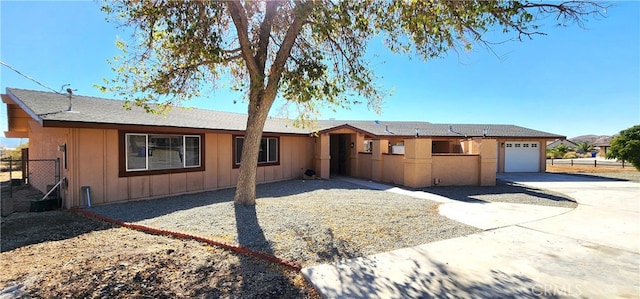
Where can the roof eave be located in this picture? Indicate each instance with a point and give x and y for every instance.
(347, 126)
(10, 98)
(148, 128)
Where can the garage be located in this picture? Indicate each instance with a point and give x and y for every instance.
(521, 156)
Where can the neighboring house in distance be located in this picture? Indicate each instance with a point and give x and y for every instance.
(570, 144)
(603, 147)
(130, 155)
(600, 142)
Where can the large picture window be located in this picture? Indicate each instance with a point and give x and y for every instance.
(268, 154)
(148, 152)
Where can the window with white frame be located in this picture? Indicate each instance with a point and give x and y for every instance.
(146, 152)
(268, 150)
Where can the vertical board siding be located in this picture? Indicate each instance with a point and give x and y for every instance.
(91, 169)
(178, 183)
(195, 181)
(286, 156)
(159, 185)
(224, 157)
(93, 160)
(139, 187)
(117, 188)
(211, 163)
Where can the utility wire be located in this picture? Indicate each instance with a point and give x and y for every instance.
(23, 75)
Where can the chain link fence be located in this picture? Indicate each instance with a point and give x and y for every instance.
(41, 174)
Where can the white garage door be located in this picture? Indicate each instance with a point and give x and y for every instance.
(521, 156)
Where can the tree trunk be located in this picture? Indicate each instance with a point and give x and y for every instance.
(261, 96)
(246, 187)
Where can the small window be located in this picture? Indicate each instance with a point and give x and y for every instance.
(137, 152)
(273, 150)
(517, 144)
(192, 151)
(509, 145)
(268, 153)
(534, 145)
(368, 146)
(525, 145)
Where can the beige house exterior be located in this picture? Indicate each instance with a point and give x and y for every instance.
(124, 155)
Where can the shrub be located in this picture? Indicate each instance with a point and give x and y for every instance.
(569, 155)
(627, 146)
(584, 148)
(553, 154)
(584, 155)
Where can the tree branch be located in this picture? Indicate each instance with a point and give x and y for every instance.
(236, 50)
(239, 17)
(301, 11)
(265, 33)
(338, 49)
(568, 9)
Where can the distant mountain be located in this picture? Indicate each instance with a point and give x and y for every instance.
(593, 139)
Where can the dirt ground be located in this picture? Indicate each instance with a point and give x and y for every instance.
(5, 175)
(627, 173)
(60, 254)
(589, 169)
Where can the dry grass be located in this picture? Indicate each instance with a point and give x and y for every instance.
(589, 169)
(618, 173)
(4, 176)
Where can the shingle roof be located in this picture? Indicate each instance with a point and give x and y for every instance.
(408, 128)
(48, 106)
(558, 142)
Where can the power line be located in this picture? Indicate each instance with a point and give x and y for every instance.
(23, 75)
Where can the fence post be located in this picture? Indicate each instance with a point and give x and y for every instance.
(595, 163)
(10, 177)
(551, 161)
(57, 175)
(571, 162)
(25, 164)
(622, 163)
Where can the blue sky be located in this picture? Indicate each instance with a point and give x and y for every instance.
(572, 82)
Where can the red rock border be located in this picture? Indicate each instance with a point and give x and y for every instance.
(147, 229)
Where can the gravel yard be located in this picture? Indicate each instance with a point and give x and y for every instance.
(318, 221)
(60, 254)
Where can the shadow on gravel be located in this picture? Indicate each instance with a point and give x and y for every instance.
(430, 279)
(135, 211)
(22, 229)
(468, 193)
(562, 177)
(591, 177)
(250, 278)
(251, 235)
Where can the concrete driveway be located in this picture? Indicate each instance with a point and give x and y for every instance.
(592, 251)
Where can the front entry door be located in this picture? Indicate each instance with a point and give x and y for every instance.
(340, 154)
